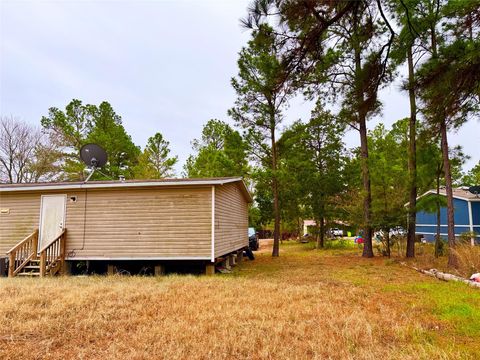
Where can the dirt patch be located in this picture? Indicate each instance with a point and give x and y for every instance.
(265, 245)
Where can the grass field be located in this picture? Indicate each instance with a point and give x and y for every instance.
(329, 304)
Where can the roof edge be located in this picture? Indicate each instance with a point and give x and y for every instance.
(434, 192)
(119, 184)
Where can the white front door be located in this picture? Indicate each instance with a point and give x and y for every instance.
(52, 218)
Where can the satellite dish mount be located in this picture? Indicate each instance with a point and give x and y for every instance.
(94, 157)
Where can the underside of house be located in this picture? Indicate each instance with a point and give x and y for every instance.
(135, 226)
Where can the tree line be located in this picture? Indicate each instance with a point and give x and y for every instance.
(338, 54)
(51, 152)
(342, 53)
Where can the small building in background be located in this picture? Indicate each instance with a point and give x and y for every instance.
(467, 215)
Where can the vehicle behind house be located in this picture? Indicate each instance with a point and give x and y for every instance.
(336, 232)
(397, 231)
(393, 233)
(253, 242)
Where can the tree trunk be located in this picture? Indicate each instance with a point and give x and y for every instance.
(362, 122)
(317, 233)
(367, 201)
(387, 236)
(452, 261)
(276, 207)
(322, 232)
(299, 229)
(412, 159)
(433, 44)
(437, 237)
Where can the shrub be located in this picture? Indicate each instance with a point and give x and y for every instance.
(468, 258)
(341, 243)
(466, 237)
(441, 247)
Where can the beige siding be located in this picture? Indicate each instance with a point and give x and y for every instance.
(231, 219)
(171, 222)
(22, 219)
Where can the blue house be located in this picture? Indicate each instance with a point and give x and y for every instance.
(467, 216)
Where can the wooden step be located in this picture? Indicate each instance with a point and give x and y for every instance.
(29, 274)
(35, 267)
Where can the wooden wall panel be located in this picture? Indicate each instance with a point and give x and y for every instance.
(21, 221)
(231, 219)
(121, 223)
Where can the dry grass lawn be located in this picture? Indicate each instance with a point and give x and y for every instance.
(307, 304)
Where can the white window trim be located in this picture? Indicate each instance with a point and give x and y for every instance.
(443, 234)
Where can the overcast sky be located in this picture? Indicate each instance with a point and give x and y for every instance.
(163, 65)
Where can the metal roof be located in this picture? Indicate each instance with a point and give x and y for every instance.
(125, 184)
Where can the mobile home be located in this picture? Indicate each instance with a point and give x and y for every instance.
(49, 224)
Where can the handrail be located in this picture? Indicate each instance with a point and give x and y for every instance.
(21, 254)
(52, 256)
(15, 248)
(51, 242)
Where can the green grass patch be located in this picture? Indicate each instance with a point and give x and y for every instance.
(454, 303)
(340, 243)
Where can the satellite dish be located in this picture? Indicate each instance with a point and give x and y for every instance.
(93, 155)
(474, 189)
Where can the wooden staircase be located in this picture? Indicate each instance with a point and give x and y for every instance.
(32, 269)
(24, 259)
